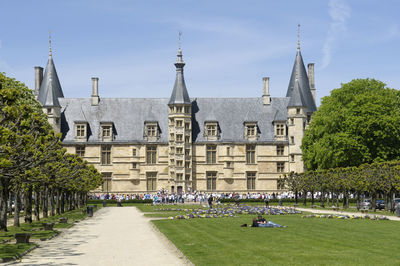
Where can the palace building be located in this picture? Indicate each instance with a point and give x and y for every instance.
(184, 144)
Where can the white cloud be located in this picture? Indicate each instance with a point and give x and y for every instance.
(340, 12)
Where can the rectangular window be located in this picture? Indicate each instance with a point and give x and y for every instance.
(134, 152)
(179, 176)
(211, 154)
(229, 164)
(179, 150)
(292, 158)
(187, 109)
(298, 111)
(291, 121)
(228, 151)
(187, 152)
(106, 131)
(80, 130)
(179, 123)
(187, 126)
(179, 109)
(179, 163)
(280, 167)
(251, 130)
(292, 140)
(105, 154)
(151, 181)
(211, 181)
(106, 186)
(80, 151)
(151, 153)
(187, 177)
(211, 130)
(280, 149)
(280, 129)
(187, 139)
(179, 137)
(187, 164)
(151, 131)
(251, 180)
(250, 154)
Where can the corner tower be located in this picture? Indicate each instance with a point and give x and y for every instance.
(49, 92)
(180, 133)
(300, 109)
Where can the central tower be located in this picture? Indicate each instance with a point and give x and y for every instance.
(180, 133)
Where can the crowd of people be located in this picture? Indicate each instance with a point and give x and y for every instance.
(163, 196)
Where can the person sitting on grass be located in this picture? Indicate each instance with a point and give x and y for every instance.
(261, 222)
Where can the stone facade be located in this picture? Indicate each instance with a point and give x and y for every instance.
(184, 144)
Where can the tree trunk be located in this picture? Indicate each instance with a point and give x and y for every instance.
(295, 196)
(37, 204)
(3, 204)
(305, 198)
(373, 202)
(45, 200)
(345, 206)
(9, 203)
(58, 205)
(62, 202)
(322, 199)
(52, 203)
(312, 197)
(358, 201)
(28, 206)
(17, 206)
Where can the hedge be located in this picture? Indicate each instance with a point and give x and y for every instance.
(110, 201)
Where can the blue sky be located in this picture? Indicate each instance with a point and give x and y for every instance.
(228, 46)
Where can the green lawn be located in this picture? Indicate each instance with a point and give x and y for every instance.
(9, 251)
(314, 241)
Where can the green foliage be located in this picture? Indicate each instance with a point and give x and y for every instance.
(358, 123)
(31, 156)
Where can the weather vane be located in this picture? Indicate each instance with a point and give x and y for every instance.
(179, 39)
(298, 36)
(49, 43)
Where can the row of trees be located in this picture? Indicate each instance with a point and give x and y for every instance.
(33, 165)
(376, 179)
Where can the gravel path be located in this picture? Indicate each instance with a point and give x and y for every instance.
(114, 236)
(393, 218)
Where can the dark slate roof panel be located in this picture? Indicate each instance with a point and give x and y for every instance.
(50, 89)
(302, 78)
(129, 116)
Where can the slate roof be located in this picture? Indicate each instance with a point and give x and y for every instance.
(179, 93)
(130, 114)
(299, 73)
(296, 97)
(50, 89)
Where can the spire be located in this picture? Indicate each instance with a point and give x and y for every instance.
(50, 44)
(299, 78)
(298, 37)
(50, 89)
(179, 94)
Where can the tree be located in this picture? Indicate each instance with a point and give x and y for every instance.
(358, 123)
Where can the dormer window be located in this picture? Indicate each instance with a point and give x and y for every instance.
(211, 130)
(80, 130)
(151, 131)
(106, 131)
(251, 130)
(280, 129)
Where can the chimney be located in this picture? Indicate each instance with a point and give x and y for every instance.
(95, 91)
(266, 96)
(38, 79)
(311, 79)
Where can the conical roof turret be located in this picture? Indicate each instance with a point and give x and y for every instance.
(179, 94)
(50, 89)
(299, 85)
